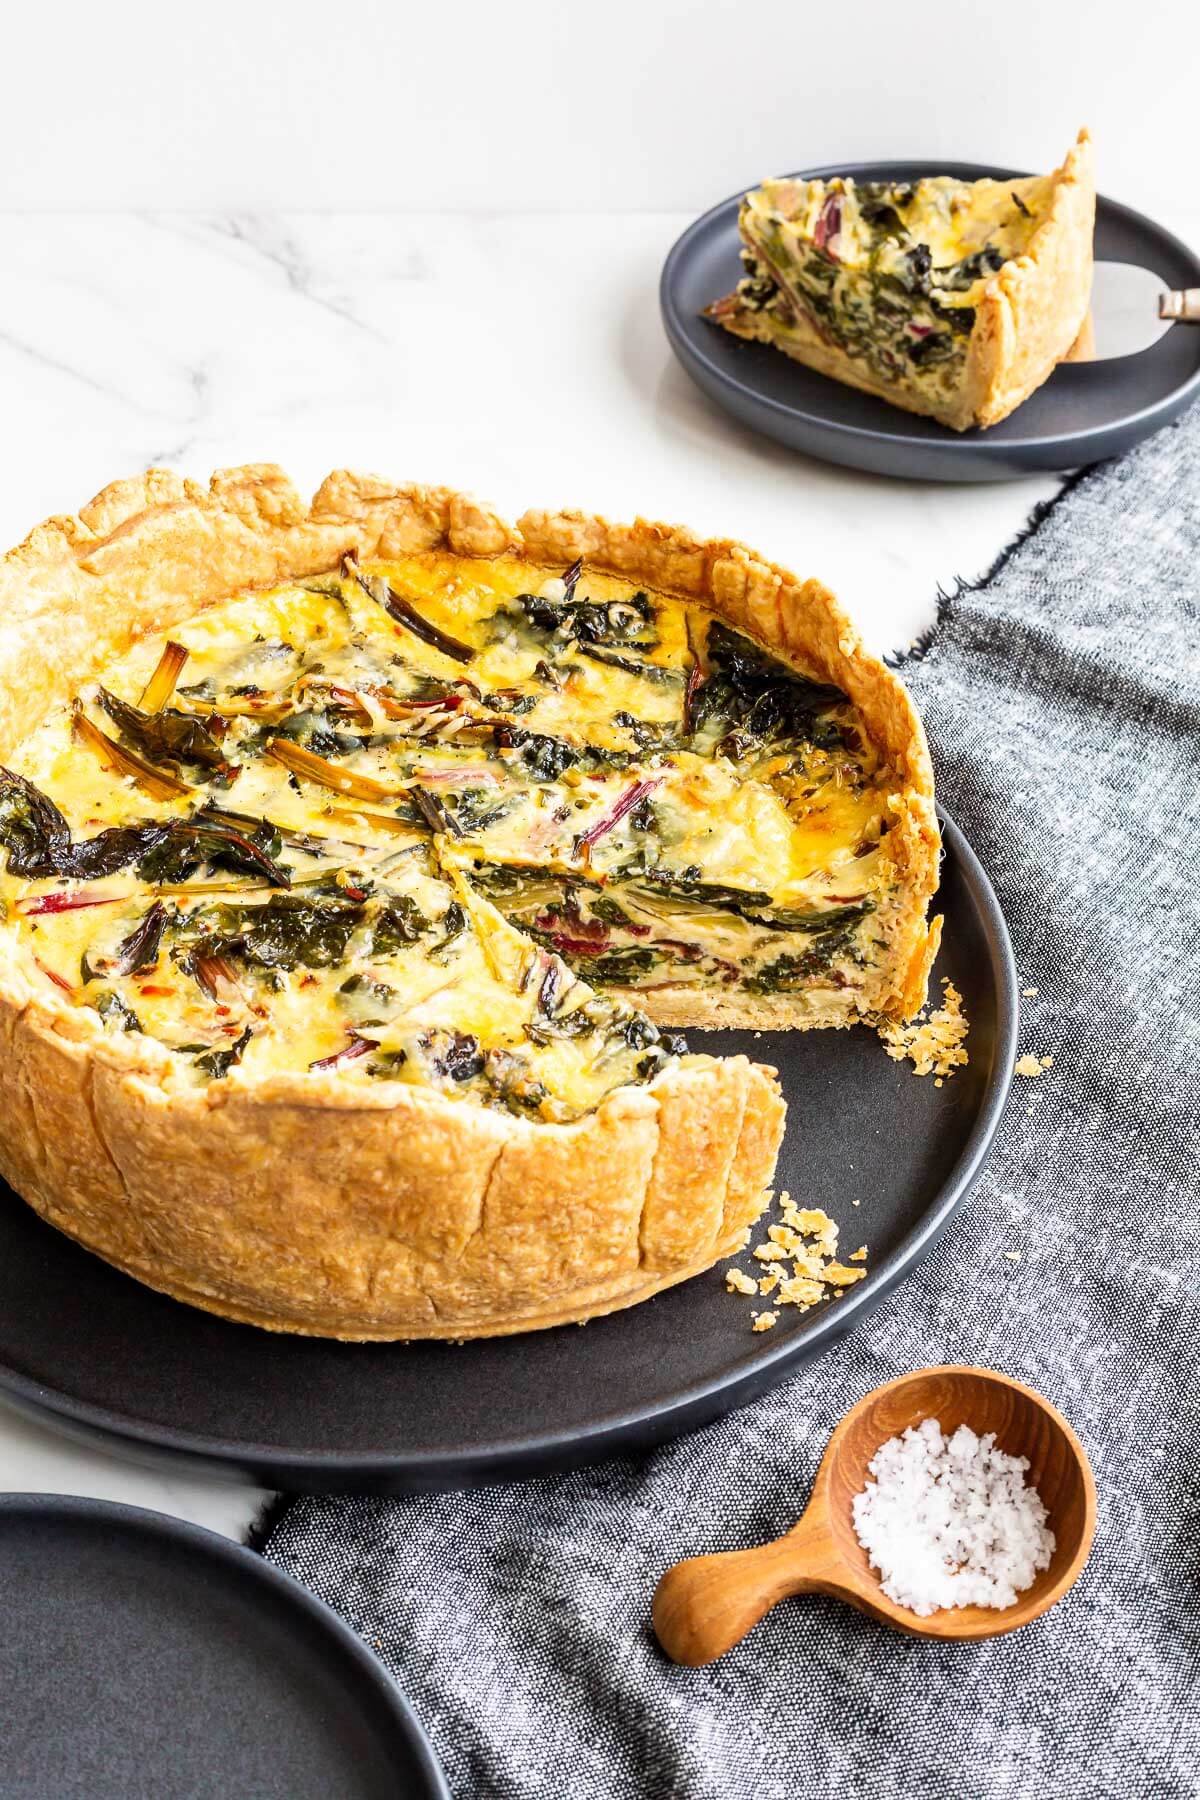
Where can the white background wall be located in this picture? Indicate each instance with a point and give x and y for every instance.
(545, 104)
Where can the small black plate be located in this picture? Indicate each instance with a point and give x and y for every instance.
(145, 1659)
(1082, 414)
(107, 1359)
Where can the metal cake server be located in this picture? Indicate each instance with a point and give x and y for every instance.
(1131, 309)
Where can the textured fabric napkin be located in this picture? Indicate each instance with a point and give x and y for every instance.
(1063, 705)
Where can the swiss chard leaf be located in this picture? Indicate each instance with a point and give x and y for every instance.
(937, 347)
(452, 1055)
(217, 1063)
(39, 844)
(113, 1011)
(405, 613)
(547, 758)
(167, 736)
(32, 830)
(797, 970)
(591, 621)
(622, 966)
(288, 932)
(646, 671)
(139, 950)
(433, 812)
(749, 691)
(186, 845)
(753, 904)
(38, 838)
(834, 918)
(708, 893)
(113, 849)
(965, 274)
(476, 809)
(397, 921)
(454, 924)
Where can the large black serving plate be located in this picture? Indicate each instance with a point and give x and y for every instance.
(105, 1358)
(142, 1658)
(1082, 414)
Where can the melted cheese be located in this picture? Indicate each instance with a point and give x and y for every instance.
(792, 831)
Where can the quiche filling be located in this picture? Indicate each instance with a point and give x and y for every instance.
(416, 822)
(890, 273)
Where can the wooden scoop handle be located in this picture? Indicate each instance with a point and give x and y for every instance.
(1183, 306)
(703, 1606)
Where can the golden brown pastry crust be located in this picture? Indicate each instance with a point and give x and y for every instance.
(307, 1203)
(1029, 316)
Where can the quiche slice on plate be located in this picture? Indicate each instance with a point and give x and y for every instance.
(364, 862)
(951, 298)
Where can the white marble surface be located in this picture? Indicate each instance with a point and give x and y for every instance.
(534, 105)
(517, 355)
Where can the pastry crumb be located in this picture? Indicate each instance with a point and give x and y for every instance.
(1029, 993)
(1013, 1255)
(933, 1042)
(1029, 1066)
(840, 1275)
(807, 1239)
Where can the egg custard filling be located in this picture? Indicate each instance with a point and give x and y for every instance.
(418, 823)
(890, 272)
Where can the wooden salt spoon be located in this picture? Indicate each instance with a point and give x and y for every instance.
(704, 1606)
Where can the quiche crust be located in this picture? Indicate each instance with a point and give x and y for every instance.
(306, 1203)
(1030, 315)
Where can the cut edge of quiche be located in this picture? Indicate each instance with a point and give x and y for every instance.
(948, 298)
(304, 1202)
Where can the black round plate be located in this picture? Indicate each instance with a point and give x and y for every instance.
(106, 1358)
(1083, 413)
(145, 1659)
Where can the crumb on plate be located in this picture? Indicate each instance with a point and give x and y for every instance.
(800, 1254)
(935, 1043)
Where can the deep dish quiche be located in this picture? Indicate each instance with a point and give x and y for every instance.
(362, 861)
(951, 298)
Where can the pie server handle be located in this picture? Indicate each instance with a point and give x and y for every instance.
(1182, 306)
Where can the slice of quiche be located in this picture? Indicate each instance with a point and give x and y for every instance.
(945, 297)
(361, 863)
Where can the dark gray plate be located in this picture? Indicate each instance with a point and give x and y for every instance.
(145, 1659)
(105, 1358)
(1082, 414)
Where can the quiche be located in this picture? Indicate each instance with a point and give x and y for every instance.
(364, 862)
(951, 298)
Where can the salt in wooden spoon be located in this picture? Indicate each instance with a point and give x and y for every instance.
(706, 1605)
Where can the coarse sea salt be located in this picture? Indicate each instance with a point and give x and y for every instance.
(950, 1521)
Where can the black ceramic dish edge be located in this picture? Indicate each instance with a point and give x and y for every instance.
(253, 1568)
(637, 1430)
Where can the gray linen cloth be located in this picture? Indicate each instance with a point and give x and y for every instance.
(1063, 705)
